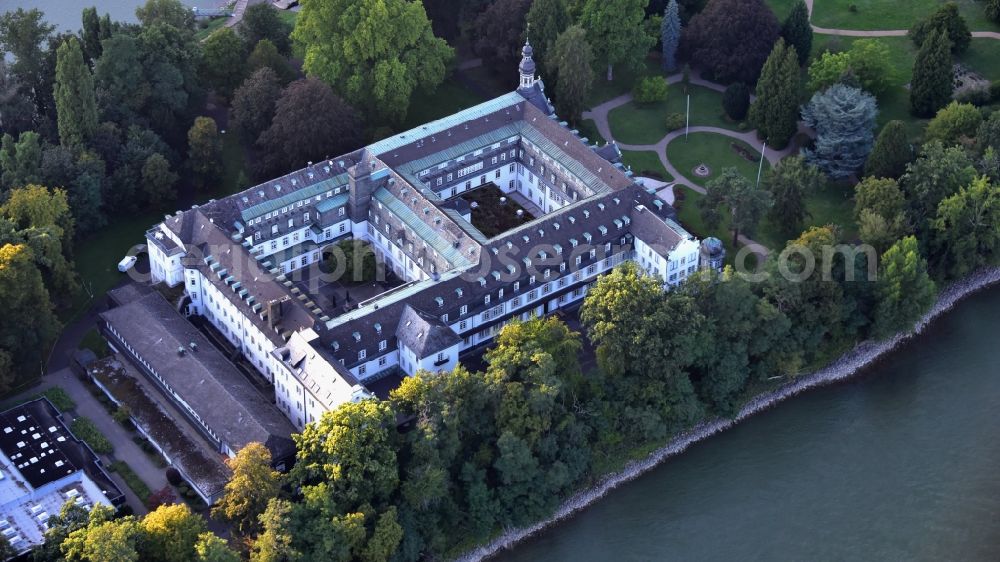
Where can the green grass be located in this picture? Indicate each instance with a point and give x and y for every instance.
(288, 16)
(690, 217)
(85, 430)
(646, 163)
(588, 129)
(635, 124)
(97, 256)
(983, 56)
(210, 27)
(713, 150)
(833, 204)
(450, 97)
(891, 14)
(131, 479)
(624, 78)
(233, 163)
(781, 8)
(93, 341)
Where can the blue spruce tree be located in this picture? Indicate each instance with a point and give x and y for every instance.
(844, 120)
(670, 34)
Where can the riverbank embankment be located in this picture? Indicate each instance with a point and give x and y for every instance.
(847, 366)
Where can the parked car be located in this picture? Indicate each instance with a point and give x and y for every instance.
(126, 263)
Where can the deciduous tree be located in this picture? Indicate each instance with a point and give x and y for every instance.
(170, 533)
(613, 28)
(844, 120)
(965, 234)
(223, 62)
(880, 209)
(498, 31)
(988, 133)
(375, 52)
(274, 543)
(745, 203)
(253, 104)
(905, 290)
(266, 54)
(955, 123)
(253, 485)
(310, 123)
(868, 61)
(204, 149)
(789, 185)
(937, 174)
(262, 22)
(210, 548)
(20, 160)
(158, 181)
(22, 34)
(731, 39)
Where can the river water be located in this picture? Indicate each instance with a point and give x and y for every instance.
(900, 464)
(66, 15)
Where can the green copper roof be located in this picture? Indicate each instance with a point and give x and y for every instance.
(422, 230)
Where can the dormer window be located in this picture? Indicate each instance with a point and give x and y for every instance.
(381, 345)
(378, 328)
(362, 354)
(439, 301)
(357, 336)
(464, 310)
(486, 299)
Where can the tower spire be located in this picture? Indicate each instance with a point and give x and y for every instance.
(527, 67)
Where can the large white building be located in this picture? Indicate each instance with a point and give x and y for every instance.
(241, 258)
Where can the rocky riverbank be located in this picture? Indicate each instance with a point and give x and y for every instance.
(847, 366)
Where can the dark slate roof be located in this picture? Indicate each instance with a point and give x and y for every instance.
(423, 333)
(536, 97)
(609, 152)
(203, 378)
(658, 232)
(41, 447)
(527, 65)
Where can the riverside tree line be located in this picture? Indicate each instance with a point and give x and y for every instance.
(110, 120)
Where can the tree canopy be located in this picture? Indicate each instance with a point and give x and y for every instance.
(374, 52)
(844, 120)
(731, 39)
(614, 29)
(775, 111)
(571, 60)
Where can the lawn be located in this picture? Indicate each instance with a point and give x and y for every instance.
(588, 129)
(690, 217)
(635, 124)
(890, 14)
(713, 150)
(646, 163)
(983, 56)
(450, 97)
(781, 8)
(833, 204)
(624, 78)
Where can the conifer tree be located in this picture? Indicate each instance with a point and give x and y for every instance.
(573, 63)
(76, 107)
(891, 154)
(931, 87)
(905, 290)
(844, 120)
(797, 31)
(775, 111)
(546, 20)
(670, 36)
(948, 21)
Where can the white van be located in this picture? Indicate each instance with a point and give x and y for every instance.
(126, 263)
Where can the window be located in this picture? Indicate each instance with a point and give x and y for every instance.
(517, 286)
(343, 227)
(462, 325)
(305, 216)
(361, 370)
(304, 261)
(497, 175)
(256, 236)
(381, 361)
(381, 345)
(274, 244)
(341, 211)
(362, 354)
(291, 223)
(486, 300)
(464, 310)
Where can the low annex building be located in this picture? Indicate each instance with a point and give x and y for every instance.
(249, 262)
(42, 467)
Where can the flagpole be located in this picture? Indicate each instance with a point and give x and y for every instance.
(687, 120)
(760, 167)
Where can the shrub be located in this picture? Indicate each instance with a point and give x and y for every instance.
(174, 476)
(160, 497)
(853, 8)
(651, 89)
(131, 479)
(59, 398)
(85, 429)
(122, 415)
(995, 90)
(736, 101)
(993, 10)
(675, 121)
(976, 95)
